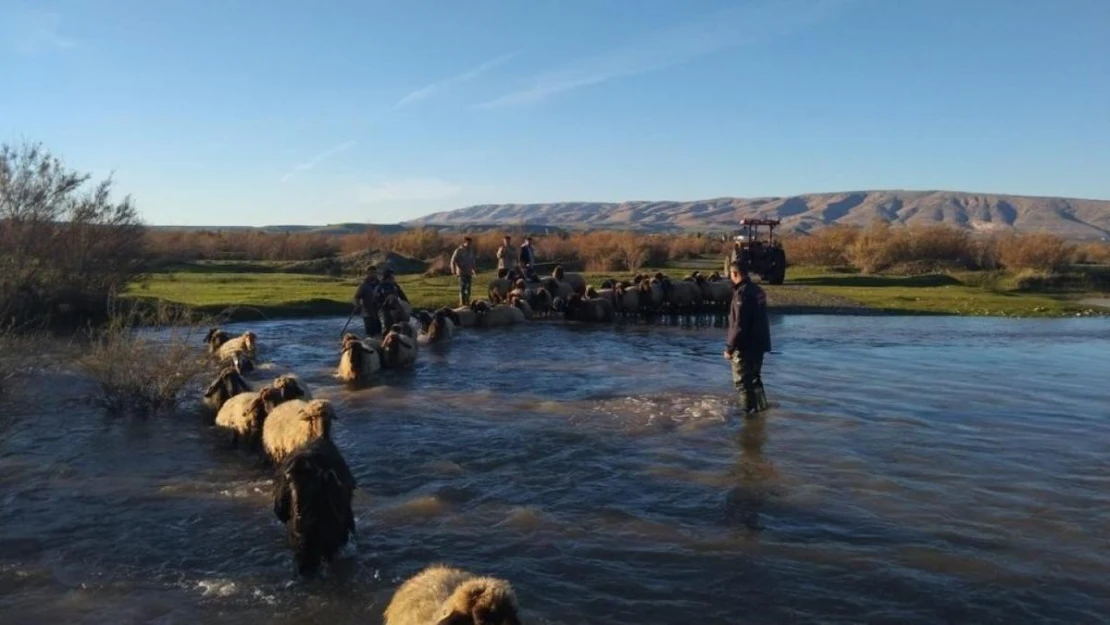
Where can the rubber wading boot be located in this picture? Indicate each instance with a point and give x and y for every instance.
(760, 396)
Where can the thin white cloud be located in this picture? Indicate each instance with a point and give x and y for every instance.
(729, 28)
(319, 158)
(428, 91)
(29, 32)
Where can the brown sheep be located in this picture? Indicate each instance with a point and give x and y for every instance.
(290, 387)
(500, 286)
(540, 300)
(358, 360)
(439, 326)
(558, 289)
(312, 497)
(593, 309)
(522, 304)
(215, 338)
(399, 347)
(445, 595)
(576, 281)
(227, 384)
(500, 315)
(294, 423)
(467, 317)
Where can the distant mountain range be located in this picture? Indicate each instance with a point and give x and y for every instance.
(1068, 217)
(1072, 218)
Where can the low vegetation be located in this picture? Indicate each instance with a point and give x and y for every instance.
(143, 371)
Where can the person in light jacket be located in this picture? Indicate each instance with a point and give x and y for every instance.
(464, 265)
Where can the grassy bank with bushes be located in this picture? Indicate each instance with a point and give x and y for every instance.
(243, 295)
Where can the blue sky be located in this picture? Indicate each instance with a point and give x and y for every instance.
(265, 112)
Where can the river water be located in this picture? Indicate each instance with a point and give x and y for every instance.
(911, 470)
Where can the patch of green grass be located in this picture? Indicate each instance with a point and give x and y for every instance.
(262, 290)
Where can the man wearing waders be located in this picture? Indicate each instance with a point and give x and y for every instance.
(749, 337)
(367, 304)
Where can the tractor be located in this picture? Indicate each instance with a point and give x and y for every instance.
(765, 258)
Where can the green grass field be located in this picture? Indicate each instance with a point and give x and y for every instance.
(258, 290)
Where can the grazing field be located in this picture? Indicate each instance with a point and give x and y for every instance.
(244, 290)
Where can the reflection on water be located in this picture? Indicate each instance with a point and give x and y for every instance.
(912, 470)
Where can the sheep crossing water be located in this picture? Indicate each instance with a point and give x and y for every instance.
(314, 487)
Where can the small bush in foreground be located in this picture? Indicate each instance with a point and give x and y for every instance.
(143, 373)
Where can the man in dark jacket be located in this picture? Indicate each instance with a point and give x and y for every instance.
(749, 337)
(366, 303)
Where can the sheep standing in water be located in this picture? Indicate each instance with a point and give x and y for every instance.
(399, 347)
(227, 384)
(468, 318)
(359, 359)
(521, 303)
(500, 315)
(243, 415)
(294, 423)
(578, 308)
(244, 344)
(445, 595)
(312, 497)
(576, 281)
(439, 326)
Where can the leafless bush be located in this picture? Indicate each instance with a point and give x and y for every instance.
(827, 247)
(144, 360)
(439, 266)
(62, 250)
(1093, 254)
(1039, 251)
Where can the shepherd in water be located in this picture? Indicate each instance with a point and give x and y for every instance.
(366, 302)
(749, 337)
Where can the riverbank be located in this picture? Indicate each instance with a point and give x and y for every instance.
(239, 293)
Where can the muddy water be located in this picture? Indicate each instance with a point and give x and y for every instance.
(912, 470)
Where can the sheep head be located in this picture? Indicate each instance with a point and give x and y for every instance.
(319, 413)
(215, 338)
(261, 406)
(558, 273)
(591, 292)
(288, 387)
(481, 601)
(228, 384)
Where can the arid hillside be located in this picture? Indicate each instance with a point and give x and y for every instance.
(1071, 218)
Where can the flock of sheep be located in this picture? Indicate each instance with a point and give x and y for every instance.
(313, 483)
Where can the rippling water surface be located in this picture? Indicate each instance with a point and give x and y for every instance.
(911, 470)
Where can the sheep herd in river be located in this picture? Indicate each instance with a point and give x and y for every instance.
(314, 486)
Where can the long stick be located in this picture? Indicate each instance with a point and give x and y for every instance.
(349, 317)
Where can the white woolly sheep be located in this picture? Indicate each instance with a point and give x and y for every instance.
(243, 415)
(359, 359)
(445, 595)
(246, 343)
(294, 423)
(399, 347)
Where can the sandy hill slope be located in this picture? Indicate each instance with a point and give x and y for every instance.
(1072, 218)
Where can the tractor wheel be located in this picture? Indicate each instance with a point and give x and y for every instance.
(778, 261)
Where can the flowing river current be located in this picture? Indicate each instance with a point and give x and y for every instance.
(910, 470)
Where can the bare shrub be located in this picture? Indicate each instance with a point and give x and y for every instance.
(1093, 254)
(1039, 251)
(63, 250)
(143, 360)
(878, 247)
(939, 246)
(827, 247)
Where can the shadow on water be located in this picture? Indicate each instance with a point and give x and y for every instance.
(911, 470)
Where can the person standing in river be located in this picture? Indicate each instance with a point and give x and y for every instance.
(464, 265)
(749, 337)
(366, 302)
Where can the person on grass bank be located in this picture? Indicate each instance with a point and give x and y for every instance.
(464, 265)
(749, 337)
